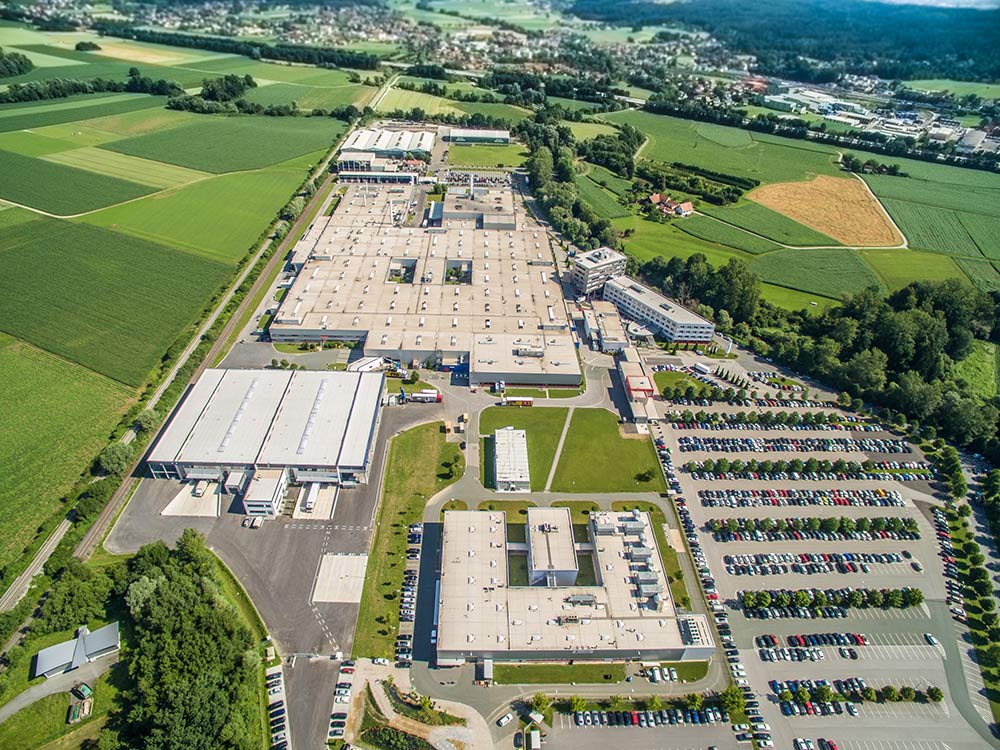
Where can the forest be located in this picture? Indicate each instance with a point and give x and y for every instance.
(853, 36)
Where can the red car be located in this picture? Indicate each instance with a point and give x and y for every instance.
(635, 718)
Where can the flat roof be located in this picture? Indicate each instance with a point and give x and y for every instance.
(511, 451)
(480, 611)
(274, 417)
(656, 301)
(602, 256)
(550, 539)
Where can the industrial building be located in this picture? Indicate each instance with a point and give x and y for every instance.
(593, 268)
(467, 135)
(604, 328)
(638, 385)
(663, 316)
(255, 431)
(510, 460)
(621, 610)
(478, 293)
(389, 143)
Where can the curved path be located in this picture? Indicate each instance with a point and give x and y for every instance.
(58, 684)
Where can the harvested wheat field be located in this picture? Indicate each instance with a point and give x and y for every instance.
(837, 207)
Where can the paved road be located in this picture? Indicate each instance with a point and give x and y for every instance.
(58, 684)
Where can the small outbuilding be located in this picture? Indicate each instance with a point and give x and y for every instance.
(85, 648)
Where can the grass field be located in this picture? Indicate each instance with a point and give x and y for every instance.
(32, 117)
(608, 179)
(957, 88)
(897, 268)
(729, 150)
(651, 238)
(712, 230)
(762, 220)
(227, 144)
(596, 458)
(673, 378)
(604, 203)
(413, 474)
(826, 272)
(98, 130)
(981, 273)
(108, 301)
(406, 100)
(60, 189)
(156, 174)
(477, 155)
(311, 97)
(584, 131)
(223, 215)
(46, 402)
(572, 105)
(542, 674)
(542, 425)
(979, 369)
(984, 231)
(793, 299)
(26, 143)
(938, 230)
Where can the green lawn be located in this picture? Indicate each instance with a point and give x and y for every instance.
(312, 97)
(414, 473)
(688, 671)
(728, 150)
(484, 155)
(545, 674)
(979, 369)
(584, 131)
(793, 299)
(672, 378)
(47, 401)
(542, 425)
(957, 88)
(111, 302)
(651, 238)
(596, 458)
(580, 510)
(722, 233)
(228, 144)
(604, 203)
(897, 268)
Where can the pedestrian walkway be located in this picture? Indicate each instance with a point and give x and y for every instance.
(559, 447)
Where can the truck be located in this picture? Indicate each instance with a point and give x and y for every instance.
(426, 396)
(703, 369)
(517, 401)
(199, 488)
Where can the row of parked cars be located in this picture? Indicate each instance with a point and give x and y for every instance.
(956, 598)
(806, 563)
(824, 639)
(702, 443)
(661, 717)
(800, 535)
(728, 424)
(830, 612)
(667, 464)
(408, 599)
(756, 498)
(276, 714)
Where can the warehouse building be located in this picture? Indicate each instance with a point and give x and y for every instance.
(663, 316)
(638, 385)
(386, 143)
(604, 328)
(467, 135)
(510, 460)
(593, 268)
(256, 431)
(622, 611)
(468, 295)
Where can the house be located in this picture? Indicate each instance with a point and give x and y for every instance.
(86, 647)
(684, 209)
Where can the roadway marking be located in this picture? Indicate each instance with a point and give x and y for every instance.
(893, 745)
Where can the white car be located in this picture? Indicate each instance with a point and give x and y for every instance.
(381, 662)
(767, 744)
(931, 639)
(505, 720)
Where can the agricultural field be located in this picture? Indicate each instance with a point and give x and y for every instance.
(584, 131)
(39, 114)
(229, 144)
(60, 189)
(652, 238)
(829, 272)
(838, 208)
(608, 179)
(311, 97)
(483, 155)
(604, 202)
(46, 402)
(223, 216)
(981, 273)
(957, 88)
(897, 268)
(719, 232)
(929, 229)
(108, 301)
(762, 220)
(573, 105)
(406, 100)
(730, 150)
(155, 174)
(98, 130)
(976, 196)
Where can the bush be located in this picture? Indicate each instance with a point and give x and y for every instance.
(115, 459)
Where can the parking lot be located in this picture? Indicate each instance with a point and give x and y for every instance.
(733, 555)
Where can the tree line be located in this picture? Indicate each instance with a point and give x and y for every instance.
(257, 50)
(59, 88)
(855, 599)
(14, 64)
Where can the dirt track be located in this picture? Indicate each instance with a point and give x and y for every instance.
(839, 208)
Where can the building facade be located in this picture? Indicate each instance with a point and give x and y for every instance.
(662, 315)
(593, 268)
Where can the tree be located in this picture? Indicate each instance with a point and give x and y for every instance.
(148, 420)
(990, 656)
(654, 703)
(890, 694)
(115, 459)
(541, 702)
(869, 694)
(749, 600)
(912, 597)
(823, 694)
(802, 695)
(576, 703)
(694, 701)
(935, 694)
(786, 696)
(617, 703)
(907, 693)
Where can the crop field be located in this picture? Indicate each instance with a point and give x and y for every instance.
(108, 301)
(60, 189)
(712, 230)
(305, 75)
(26, 143)
(829, 272)
(897, 268)
(311, 97)
(494, 109)
(836, 207)
(981, 272)
(932, 229)
(957, 88)
(54, 417)
(156, 174)
(608, 179)
(402, 99)
(768, 160)
(573, 105)
(33, 117)
(228, 144)
(223, 216)
(98, 130)
(604, 203)
(760, 219)
(483, 155)
(984, 231)
(978, 198)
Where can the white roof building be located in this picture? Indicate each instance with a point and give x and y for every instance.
(673, 321)
(383, 142)
(511, 460)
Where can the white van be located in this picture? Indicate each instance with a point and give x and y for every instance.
(200, 487)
